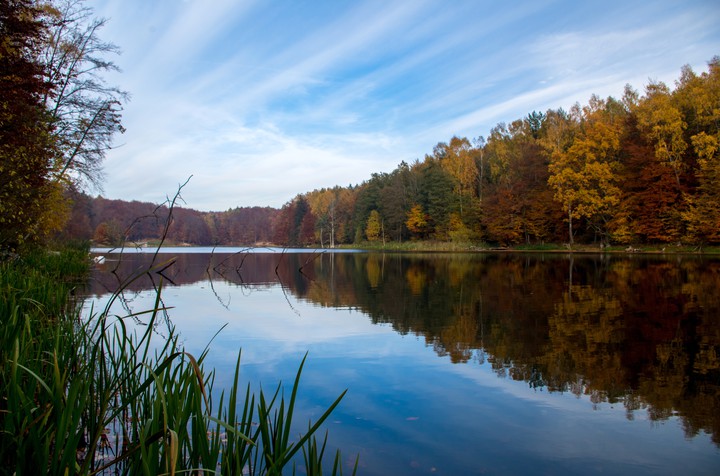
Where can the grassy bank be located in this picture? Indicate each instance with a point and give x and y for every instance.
(442, 246)
(85, 395)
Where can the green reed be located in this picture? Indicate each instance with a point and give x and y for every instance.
(93, 394)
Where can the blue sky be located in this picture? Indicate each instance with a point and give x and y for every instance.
(262, 100)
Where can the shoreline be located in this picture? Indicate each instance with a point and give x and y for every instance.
(429, 247)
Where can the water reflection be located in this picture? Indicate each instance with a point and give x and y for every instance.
(642, 332)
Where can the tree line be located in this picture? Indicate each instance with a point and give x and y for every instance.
(114, 222)
(640, 169)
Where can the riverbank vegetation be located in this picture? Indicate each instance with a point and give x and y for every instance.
(84, 393)
(482, 247)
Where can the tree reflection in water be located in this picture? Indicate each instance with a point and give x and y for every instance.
(641, 331)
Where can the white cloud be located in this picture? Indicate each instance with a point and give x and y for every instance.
(263, 101)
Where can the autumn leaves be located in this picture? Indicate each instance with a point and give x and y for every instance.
(640, 169)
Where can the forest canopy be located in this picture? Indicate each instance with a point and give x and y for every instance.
(641, 169)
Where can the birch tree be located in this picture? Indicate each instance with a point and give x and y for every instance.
(85, 111)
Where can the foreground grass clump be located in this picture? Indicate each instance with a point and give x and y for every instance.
(85, 395)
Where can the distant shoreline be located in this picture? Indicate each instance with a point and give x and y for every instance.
(419, 247)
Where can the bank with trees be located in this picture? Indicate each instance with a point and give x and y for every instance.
(643, 169)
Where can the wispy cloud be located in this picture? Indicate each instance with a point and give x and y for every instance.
(261, 101)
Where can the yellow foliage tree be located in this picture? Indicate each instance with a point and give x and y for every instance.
(664, 124)
(700, 96)
(457, 230)
(417, 221)
(374, 226)
(459, 161)
(585, 177)
(703, 214)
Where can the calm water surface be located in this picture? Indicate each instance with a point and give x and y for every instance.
(465, 363)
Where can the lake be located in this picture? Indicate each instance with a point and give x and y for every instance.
(463, 363)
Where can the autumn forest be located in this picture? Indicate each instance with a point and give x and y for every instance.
(642, 169)
(110, 365)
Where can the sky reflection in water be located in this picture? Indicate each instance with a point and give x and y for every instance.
(409, 408)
